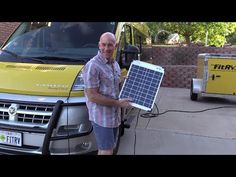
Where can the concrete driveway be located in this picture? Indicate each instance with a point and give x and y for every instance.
(208, 132)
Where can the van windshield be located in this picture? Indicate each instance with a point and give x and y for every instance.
(77, 41)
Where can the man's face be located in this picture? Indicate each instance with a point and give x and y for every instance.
(107, 46)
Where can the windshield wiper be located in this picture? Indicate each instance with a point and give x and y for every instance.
(21, 57)
(62, 58)
(9, 52)
(32, 58)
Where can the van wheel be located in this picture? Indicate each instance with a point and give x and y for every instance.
(193, 96)
(115, 151)
(122, 125)
(122, 130)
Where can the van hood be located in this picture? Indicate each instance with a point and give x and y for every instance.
(37, 79)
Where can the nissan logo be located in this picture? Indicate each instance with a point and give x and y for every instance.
(12, 110)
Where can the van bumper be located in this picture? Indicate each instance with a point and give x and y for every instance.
(74, 145)
(72, 134)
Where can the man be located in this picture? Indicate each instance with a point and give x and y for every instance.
(102, 77)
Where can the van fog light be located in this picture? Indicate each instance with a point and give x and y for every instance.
(83, 146)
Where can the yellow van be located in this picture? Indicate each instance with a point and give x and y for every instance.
(42, 103)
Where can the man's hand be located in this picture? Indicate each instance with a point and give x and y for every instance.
(124, 102)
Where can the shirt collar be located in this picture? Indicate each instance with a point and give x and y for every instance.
(103, 59)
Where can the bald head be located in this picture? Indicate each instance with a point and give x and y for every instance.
(107, 45)
(108, 35)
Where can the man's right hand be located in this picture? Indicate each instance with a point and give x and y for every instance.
(124, 102)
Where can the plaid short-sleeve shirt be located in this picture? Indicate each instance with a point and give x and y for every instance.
(98, 73)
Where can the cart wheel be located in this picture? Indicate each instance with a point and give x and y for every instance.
(193, 96)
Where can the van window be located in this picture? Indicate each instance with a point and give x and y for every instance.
(51, 40)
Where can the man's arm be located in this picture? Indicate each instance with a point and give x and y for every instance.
(94, 96)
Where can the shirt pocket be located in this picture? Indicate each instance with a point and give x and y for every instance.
(107, 80)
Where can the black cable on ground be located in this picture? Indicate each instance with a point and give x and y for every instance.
(152, 115)
(136, 123)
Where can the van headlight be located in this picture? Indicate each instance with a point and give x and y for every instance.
(79, 83)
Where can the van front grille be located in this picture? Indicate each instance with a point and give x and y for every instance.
(35, 114)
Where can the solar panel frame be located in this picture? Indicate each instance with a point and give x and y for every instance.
(142, 84)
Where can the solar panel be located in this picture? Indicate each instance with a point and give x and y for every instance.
(142, 84)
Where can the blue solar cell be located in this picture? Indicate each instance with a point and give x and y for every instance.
(142, 84)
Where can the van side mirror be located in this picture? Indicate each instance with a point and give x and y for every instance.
(130, 53)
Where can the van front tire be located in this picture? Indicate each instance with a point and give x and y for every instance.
(115, 151)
